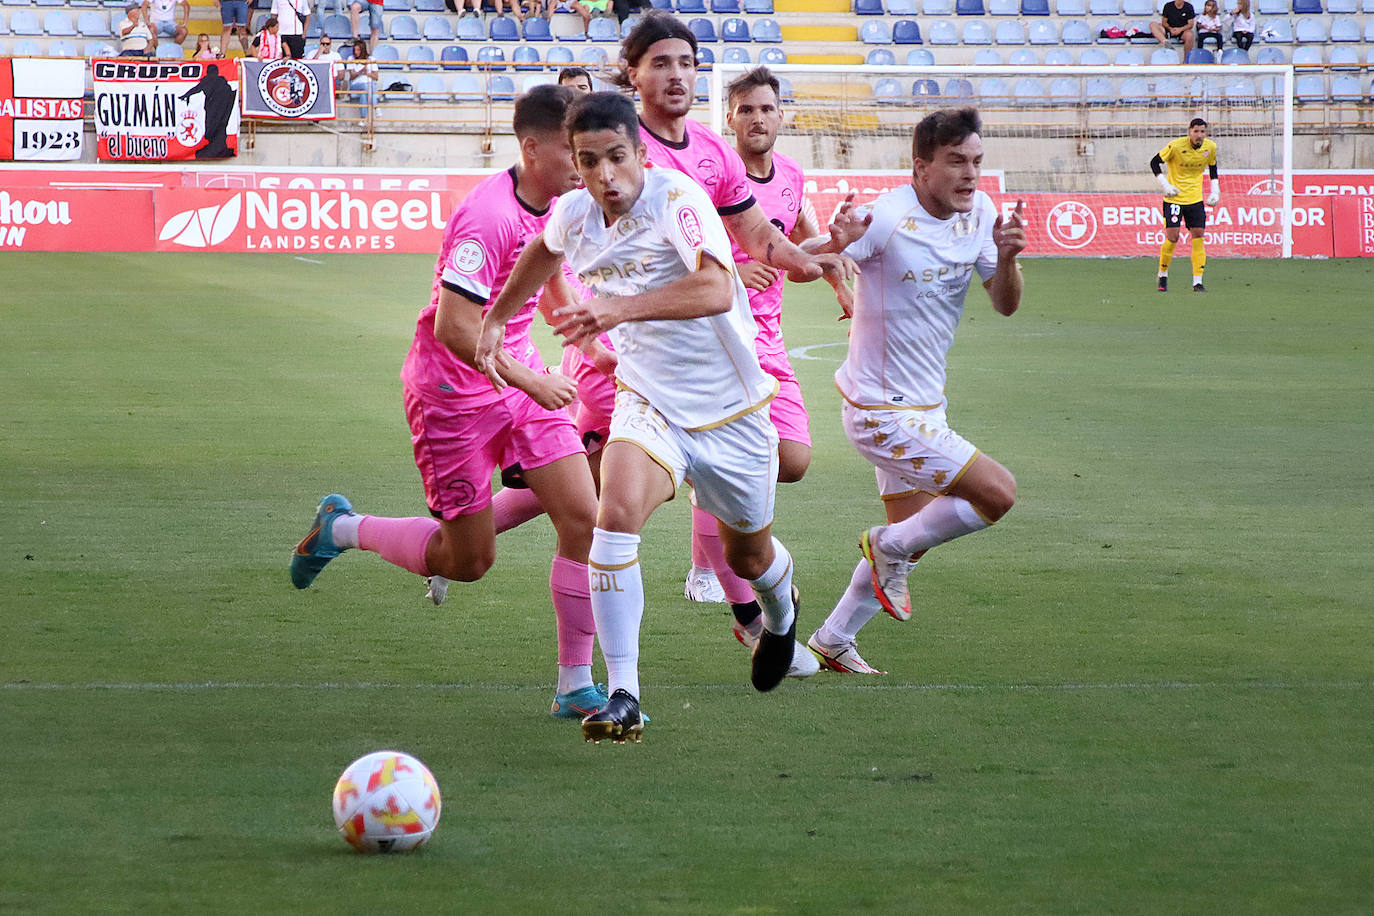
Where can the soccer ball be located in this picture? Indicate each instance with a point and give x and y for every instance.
(386, 801)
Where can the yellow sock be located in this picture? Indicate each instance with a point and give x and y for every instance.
(1166, 254)
(1199, 259)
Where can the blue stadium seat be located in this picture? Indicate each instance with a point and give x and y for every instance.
(470, 29)
(537, 79)
(969, 7)
(1071, 9)
(1163, 57)
(1309, 88)
(559, 56)
(170, 50)
(526, 57)
(1199, 56)
(1369, 31)
(1239, 89)
(785, 91)
(94, 24)
(1234, 57)
(387, 56)
(771, 56)
(1308, 57)
(1344, 58)
(64, 48)
(1010, 32)
(430, 87)
(735, 29)
(1341, 7)
(1170, 88)
(1027, 91)
(691, 7)
(759, 7)
(419, 56)
(704, 29)
(1346, 88)
(875, 32)
(888, 90)
(1369, 60)
(937, 7)
(26, 48)
(1100, 91)
(987, 57)
(725, 7)
(396, 6)
(404, 28)
(1128, 57)
(1343, 30)
(902, 7)
(880, 57)
(1004, 7)
(920, 57)
(1308, 7)
(868, 8)
(98, 48)
(454, 57)
(705, 57)
(735, 55)
(943, 32)
(466, 87)
(1137, 9)
(58, 22)
(1064, 91)
(994, 90)
(976, 32)
(429, 6)
(438, 28)
(1044, 32)
(767, 31)
(925, 89)
(703, 89)
(1105, 7)
(1023, 57)
(490, 54)
(1093, 57)
(603, 28)
(628, 26)
(594, 56)
(959, 90)
(1076, 32)
(1135, 90)
(906, 32)
(537, 29)
(500, 87)
(1058, 57)
(1271, 56)
(1310, 31)
(1106, 26)
(1035, 7)
(1272, 7)
(1276, 32)
(503, 28)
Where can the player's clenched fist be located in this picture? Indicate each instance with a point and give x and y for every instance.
(1009, 233)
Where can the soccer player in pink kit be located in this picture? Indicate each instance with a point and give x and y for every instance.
(462, 428)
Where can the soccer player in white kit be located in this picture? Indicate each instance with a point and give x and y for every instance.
(692, 400)
(918, 257)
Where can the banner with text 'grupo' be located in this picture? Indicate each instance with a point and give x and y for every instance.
(159, 110)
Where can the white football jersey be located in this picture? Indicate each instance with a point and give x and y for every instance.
(698, 372)
(909, 298)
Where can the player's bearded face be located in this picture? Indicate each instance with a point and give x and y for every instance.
(612, 168)
(948, 181)
(1197, 134)
(666, 78)
(756, 119)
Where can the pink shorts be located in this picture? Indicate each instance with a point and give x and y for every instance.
(787, 411)
(595, 398)
(457, 450)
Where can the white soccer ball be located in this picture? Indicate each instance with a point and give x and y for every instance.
(386, 801)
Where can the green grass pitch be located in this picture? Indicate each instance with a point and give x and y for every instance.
(1149, 689)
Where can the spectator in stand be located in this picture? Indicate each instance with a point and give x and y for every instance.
(325, 51)
(470, 8)
(374, 19)
(624, 9)
(268, 41)
(587, 9)
(1242, 25)
(575, 78)
(164, 19)
(233, 16)
(1209, 25)
(360, 75)
(135, 37)
(1175, 21)
(514, 8)
(203, 49)
(293, 17)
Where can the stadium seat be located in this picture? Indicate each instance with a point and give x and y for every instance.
(1162, 57)
(1310, 87)
(942, 32)
(1027, 91)
(170, 50)
(1094, 57)
(1128, 57)
(920, 57)
(880, 57)
(58, 22)
(875, 32)
(1342, 7)
(594, 56)
(1369, 32)
(1343, 30)
(987, 57)
(937, 7)
(1035, 7)
(959, 90)
(1063, 91)
(925, 89)
(735, 29)
(558, 56)
(1004, 7)
(429, 6)
(1308, 7)
(1199, 56)
(785, 90)
(26, 48)
(64, 48)
(470, 29)
(725, 7)
(466, 87)
(736, 55)
(526, 57)
(1100, 91)
(868, 8)
(454, 57)
(704, 29)
(94, 24)
(902, 7)
(1110, 25)
(1271, 56)
(537, 29)
(430, 87)
(1044, 32)
(1105, 7)
(502, 28)
(500, 87)
(1344, 59)
(968, 7)
(1276, 32)
(1310, 31)
(1010, 32)
(404, 28)
(705, 57)
(387, 56)
(1023, 57)
(771, 56)
(1170, 88)
(1235, 57)
(537, 79)
(603, 28)
(1076, 32)
(976, 32)
(490, 54)
(1070, 9)
(1308, 57)
(1344, 88)
(1135, 90)
(759, 7)
(1058, 57)
(767, 31)
(420, 56)
(1239, 89)
(1272, 7)
(396, 6)
(888, 89)
(438, 28)
(691, 7)
(994, 90)
(703, 89)
(628, 25)
(98, 48)
(906, 32)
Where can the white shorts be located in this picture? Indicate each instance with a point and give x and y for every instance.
(912, 451)
(732, 468)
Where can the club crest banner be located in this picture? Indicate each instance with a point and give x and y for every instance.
(159, 110)
(40, 108)
(300, 90)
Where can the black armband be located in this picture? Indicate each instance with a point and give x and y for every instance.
(1212, 170)
(1156, 164)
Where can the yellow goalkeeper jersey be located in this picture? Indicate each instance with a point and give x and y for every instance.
(1185, 168)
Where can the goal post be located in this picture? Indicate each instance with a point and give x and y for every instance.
(1073, 142)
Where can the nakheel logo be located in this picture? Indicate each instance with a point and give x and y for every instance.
(204, 227)
(1071, 224)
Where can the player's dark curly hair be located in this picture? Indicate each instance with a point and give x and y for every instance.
(946, 127)
(541, 110)
(654, 26)
(603, 111)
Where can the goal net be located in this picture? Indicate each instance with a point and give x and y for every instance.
(1073, 143)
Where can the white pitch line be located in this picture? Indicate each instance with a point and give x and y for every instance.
(805, 352)
(205, 686)
(308, 260)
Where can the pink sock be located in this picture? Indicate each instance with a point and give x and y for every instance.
(572, 605)
(706, 535)
(699, 557)
(399, 541)
(511, 507)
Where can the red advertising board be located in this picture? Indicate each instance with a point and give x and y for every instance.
(39, 219)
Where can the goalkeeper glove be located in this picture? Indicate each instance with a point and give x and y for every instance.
(1169, 189)
(1214, 198)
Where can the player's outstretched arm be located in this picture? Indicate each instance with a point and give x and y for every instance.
(1004, 287)
(708, 290)
(847, 225)
(764, 242)
(532, 270)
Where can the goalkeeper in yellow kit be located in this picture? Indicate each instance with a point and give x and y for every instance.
(1186, 158)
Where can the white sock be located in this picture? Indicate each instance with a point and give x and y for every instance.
(774, 591)
(617, 605)
(346, 530)
(1197, 281)
(856, 607)
(574, 677)
(943, 519)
